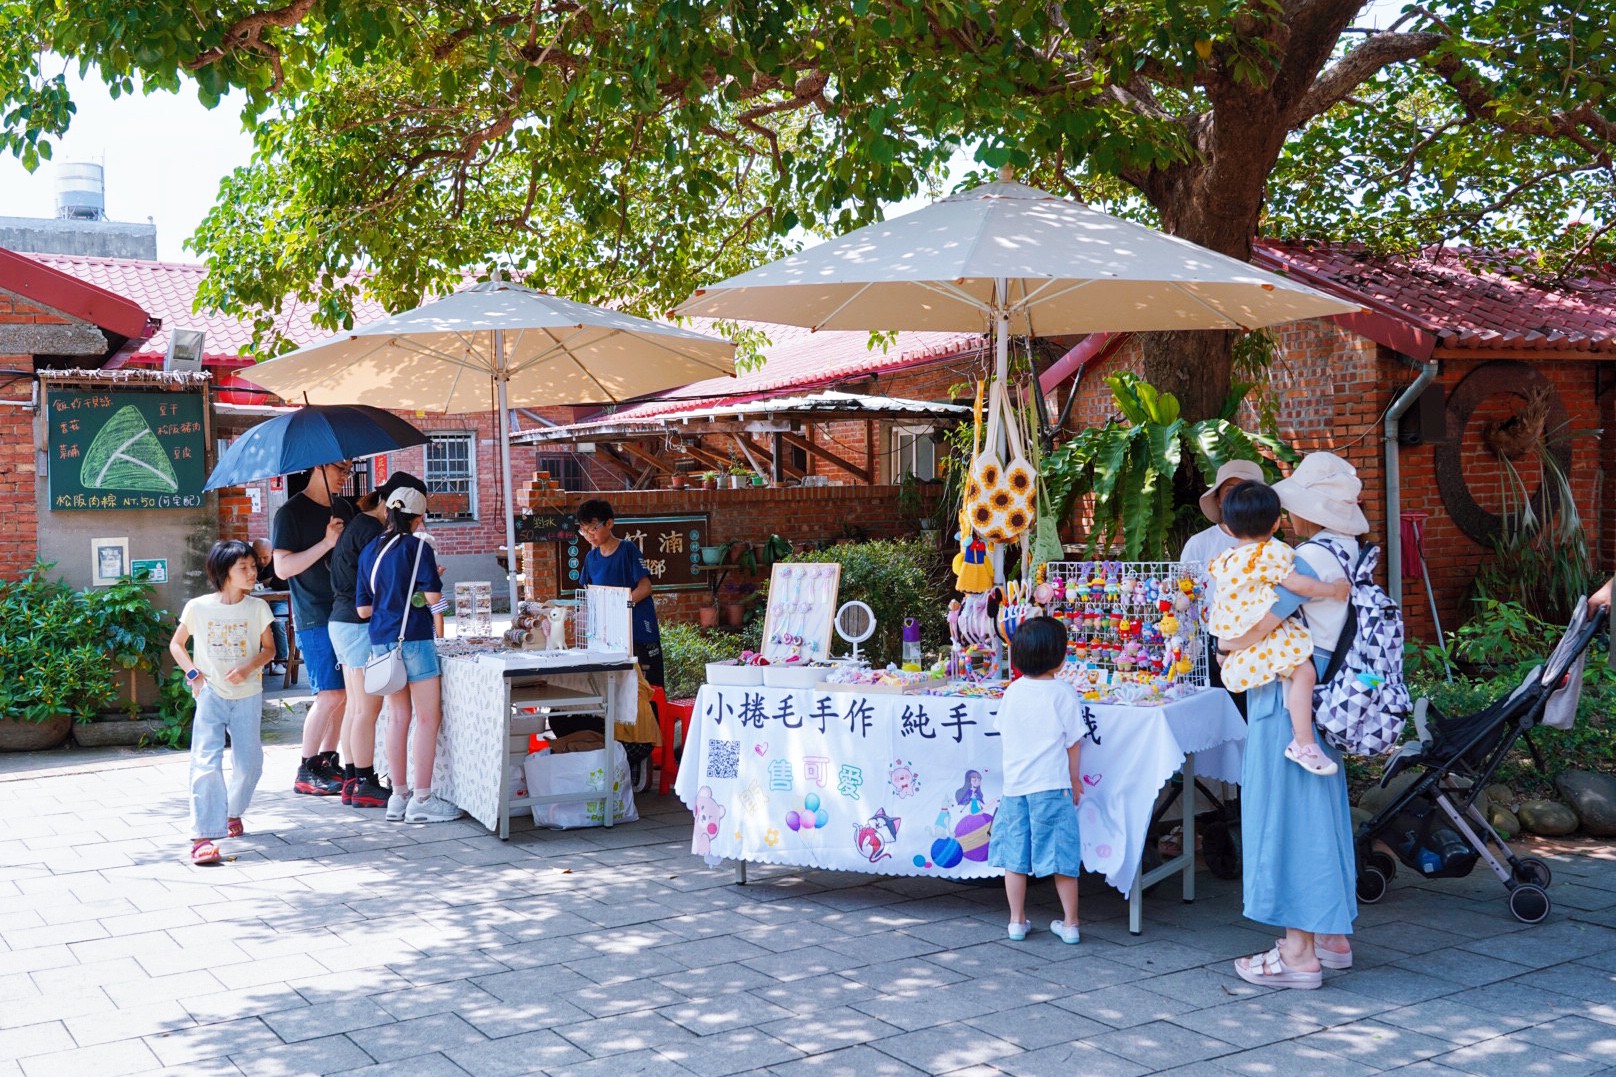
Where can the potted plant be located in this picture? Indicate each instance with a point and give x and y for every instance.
(708, 616)
(739, 476)
(54, 666)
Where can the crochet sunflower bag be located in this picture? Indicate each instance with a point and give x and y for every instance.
(1000, 495)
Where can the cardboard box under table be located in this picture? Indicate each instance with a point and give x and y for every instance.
(492, 704)
(908, 784)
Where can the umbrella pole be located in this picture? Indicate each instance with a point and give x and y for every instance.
(503, 437)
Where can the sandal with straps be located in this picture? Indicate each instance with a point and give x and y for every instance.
(204, 852)
(1310, 759)
(233, 828)
(1270, 970)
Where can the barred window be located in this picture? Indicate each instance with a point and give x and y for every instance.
(565, 471)
(451, 476)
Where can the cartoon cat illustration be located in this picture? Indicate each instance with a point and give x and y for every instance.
(873, 837)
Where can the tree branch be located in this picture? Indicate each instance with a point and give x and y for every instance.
(1352, 70)
(247, 33)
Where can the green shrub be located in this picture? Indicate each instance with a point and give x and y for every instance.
(176, 710)
(62, 651)
(687, 648)
(1495, 650)
(897, 579)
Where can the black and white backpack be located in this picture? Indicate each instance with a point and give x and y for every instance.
(1361, 703)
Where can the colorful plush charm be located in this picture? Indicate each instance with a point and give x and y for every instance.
(1168, 625)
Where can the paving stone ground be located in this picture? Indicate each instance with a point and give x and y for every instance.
(334, 942)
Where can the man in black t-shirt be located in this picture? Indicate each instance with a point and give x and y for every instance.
(305, 530)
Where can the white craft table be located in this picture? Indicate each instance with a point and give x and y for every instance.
(907, 785)
(493, 702)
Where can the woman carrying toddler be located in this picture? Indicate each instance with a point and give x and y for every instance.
(1246, 577)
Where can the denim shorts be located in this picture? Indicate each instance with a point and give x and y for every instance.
(420, 658)
(1037, 834)
(351, 642)
(314, 643)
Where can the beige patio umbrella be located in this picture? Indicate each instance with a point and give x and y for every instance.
(532, 348)
(1016, 259)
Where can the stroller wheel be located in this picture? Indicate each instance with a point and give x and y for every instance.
(1528, 903)
(1221, 850)
(1532, 870)
(1372, 884)
(1384, 863)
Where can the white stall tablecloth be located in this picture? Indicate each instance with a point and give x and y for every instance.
(884, 783)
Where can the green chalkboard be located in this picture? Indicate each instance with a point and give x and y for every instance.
(125, 450)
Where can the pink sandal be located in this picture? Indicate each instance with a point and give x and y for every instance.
(1333, 959)
(204, 852)
(1270, 970)
(1310, 759)
(234, 829)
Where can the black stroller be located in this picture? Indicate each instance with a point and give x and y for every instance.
(1435, 826)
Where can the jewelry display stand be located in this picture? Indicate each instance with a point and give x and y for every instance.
(607, 620)
(802, 601)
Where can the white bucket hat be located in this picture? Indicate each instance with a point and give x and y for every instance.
(1233, 471)
(1324, 490)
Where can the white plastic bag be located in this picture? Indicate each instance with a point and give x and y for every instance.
(549, 774)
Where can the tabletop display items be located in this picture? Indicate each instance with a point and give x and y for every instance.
(1136, 630)
(605, 620)
(796, 626)
(474, 609)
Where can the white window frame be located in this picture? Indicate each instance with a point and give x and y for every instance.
(437, 482)
(904, 454)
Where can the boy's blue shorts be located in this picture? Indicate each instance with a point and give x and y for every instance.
(1037, 834)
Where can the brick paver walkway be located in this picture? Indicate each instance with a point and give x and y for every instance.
(338, 943)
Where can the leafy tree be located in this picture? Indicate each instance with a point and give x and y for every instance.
(635, 150)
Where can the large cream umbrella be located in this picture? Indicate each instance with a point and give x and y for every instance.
(534, 349)
(1017, 260)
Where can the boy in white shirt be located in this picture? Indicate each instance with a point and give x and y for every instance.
(1040, 726)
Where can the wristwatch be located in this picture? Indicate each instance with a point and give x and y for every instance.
(192, 674)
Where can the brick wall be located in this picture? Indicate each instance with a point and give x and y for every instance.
(18, 468)
(800, 515)
(236, 516)
(1333, 388)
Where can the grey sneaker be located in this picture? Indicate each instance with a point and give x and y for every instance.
(1067, 933)
(397, 806)
(434, 809)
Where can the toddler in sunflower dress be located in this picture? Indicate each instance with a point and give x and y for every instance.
(1245, 579)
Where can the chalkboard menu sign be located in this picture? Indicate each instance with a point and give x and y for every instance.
(670, 546)
(546, 527)
(125, 450)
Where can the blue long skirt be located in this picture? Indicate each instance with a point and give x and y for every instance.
(1295, 828)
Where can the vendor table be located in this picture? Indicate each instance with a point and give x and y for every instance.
(908, 785)
(493, 702)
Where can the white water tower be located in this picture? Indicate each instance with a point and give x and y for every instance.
(81, 192)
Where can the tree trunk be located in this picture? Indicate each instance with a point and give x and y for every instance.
(1192, 365)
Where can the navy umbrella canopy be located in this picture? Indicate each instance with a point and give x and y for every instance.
(308, 437)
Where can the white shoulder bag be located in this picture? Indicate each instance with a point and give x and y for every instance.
(385, 674)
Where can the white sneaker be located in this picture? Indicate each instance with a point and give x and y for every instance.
(397, 807)
(1069, 934)
(434, 809)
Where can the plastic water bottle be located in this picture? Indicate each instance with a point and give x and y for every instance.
(911, 645)
(1429, 861)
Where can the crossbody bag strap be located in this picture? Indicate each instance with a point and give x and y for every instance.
(415, 570)
(1349, 627)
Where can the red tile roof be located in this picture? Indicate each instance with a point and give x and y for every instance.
(72, 294)
(798, 359)
(1466, 299)
(167, 290)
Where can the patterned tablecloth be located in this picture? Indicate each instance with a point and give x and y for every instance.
(473, 739)
(908, 785)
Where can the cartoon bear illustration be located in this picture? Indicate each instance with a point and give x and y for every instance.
(708, 814)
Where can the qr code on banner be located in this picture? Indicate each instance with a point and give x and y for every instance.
(723, 758)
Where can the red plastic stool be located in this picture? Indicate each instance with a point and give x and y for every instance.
(670, 713)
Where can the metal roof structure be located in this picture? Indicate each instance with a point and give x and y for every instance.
(769, 415)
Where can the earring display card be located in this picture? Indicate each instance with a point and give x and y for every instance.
(802, 602)
(474, 609)
(607, 620)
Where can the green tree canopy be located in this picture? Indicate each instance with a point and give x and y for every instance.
(636, 150)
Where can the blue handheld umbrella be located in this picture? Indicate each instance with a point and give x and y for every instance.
(308, 437)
